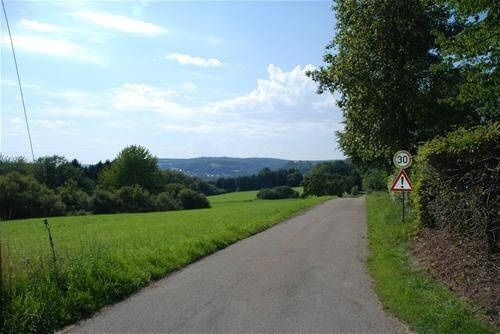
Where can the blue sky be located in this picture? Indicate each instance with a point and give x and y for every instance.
(184, 79)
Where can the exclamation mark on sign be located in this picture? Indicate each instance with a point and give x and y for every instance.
(402, 182)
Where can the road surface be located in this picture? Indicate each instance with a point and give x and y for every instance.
(304, 275)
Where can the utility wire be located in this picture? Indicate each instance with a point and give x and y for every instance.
(19, 82)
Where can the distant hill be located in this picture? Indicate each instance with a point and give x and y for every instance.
(212, 168)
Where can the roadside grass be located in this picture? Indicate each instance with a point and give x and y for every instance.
(426, 305)
(103, 258)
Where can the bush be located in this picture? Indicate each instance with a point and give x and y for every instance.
(104, 201)
(134, 199)
(457, 183)
(277, 193)
(22, 196)
(191, 199)
(331, 178)
(74, 198)
(374, 180)
(165, 202)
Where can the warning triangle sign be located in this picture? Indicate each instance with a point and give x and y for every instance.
(402, 182)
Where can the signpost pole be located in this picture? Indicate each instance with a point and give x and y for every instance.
(402, 159)
(403, 206)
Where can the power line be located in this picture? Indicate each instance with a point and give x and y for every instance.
(19, 81)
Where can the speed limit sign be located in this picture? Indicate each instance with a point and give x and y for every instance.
(402, 159)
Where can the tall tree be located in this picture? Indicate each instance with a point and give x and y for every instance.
(474, 49)
(380, 62)
(134, 165)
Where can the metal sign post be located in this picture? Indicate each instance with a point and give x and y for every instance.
(402, 183)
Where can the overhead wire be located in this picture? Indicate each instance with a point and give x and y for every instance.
(19, 81)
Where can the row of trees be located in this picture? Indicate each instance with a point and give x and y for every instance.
(408, 71)
(130, 183)
(332, 178)
(265, 179)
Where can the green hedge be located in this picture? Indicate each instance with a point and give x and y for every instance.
(457, 182)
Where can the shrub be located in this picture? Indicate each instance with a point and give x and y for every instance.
(191, 199)
(457, 183)
(134, 199)
(374, 180)
(74, 198)
(165, 202)
(277, 193)
(331, 178)
(104, 201)
(22, 196)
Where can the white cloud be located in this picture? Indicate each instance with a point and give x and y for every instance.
(53, 47)
(185, 59)
(38, 26)
(143, 97)
(121, 23)
(281, 89)
(280, 105)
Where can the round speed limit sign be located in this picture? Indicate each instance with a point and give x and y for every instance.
(402, 159)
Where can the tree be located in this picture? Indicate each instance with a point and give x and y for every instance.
(54, 171)
(331, 178)
(474, 49)
(191, 199)
(22, 196)
(380, 62)
(134, 165)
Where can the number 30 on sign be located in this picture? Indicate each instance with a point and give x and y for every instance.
(402, 159)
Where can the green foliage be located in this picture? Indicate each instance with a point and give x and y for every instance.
(104, 258)
(165, 202)
(374, 180)
(191, 199)
(103, 201)
(424, 304)
(17, 164)
(134, 199)
(458, 182)
(280, 192)
(473, 48)
(22, 196)
(54, 171)
(134, 165)
(380, 61)
(266, 178)
(331, 178)
(73, 198)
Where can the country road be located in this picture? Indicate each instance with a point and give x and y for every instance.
(304, 275)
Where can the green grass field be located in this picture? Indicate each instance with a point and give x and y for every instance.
(103, 258)
(424, 304)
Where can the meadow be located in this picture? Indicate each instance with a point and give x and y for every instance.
(100, 259)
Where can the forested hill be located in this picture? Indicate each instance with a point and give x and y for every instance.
(215, 167)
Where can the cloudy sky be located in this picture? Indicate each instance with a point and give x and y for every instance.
(183, 79)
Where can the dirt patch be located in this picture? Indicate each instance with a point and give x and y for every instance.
(465, 266)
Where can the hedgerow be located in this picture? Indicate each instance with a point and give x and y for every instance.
(457, 183)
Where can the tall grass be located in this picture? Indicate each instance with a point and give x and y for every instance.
(426, 305)
(103, 258)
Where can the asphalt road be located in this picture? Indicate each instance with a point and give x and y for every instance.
(305, 275)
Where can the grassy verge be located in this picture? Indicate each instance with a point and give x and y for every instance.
(103, 258)
(424, 304)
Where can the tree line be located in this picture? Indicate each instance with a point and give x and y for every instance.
(266, 178)
(132, 182)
